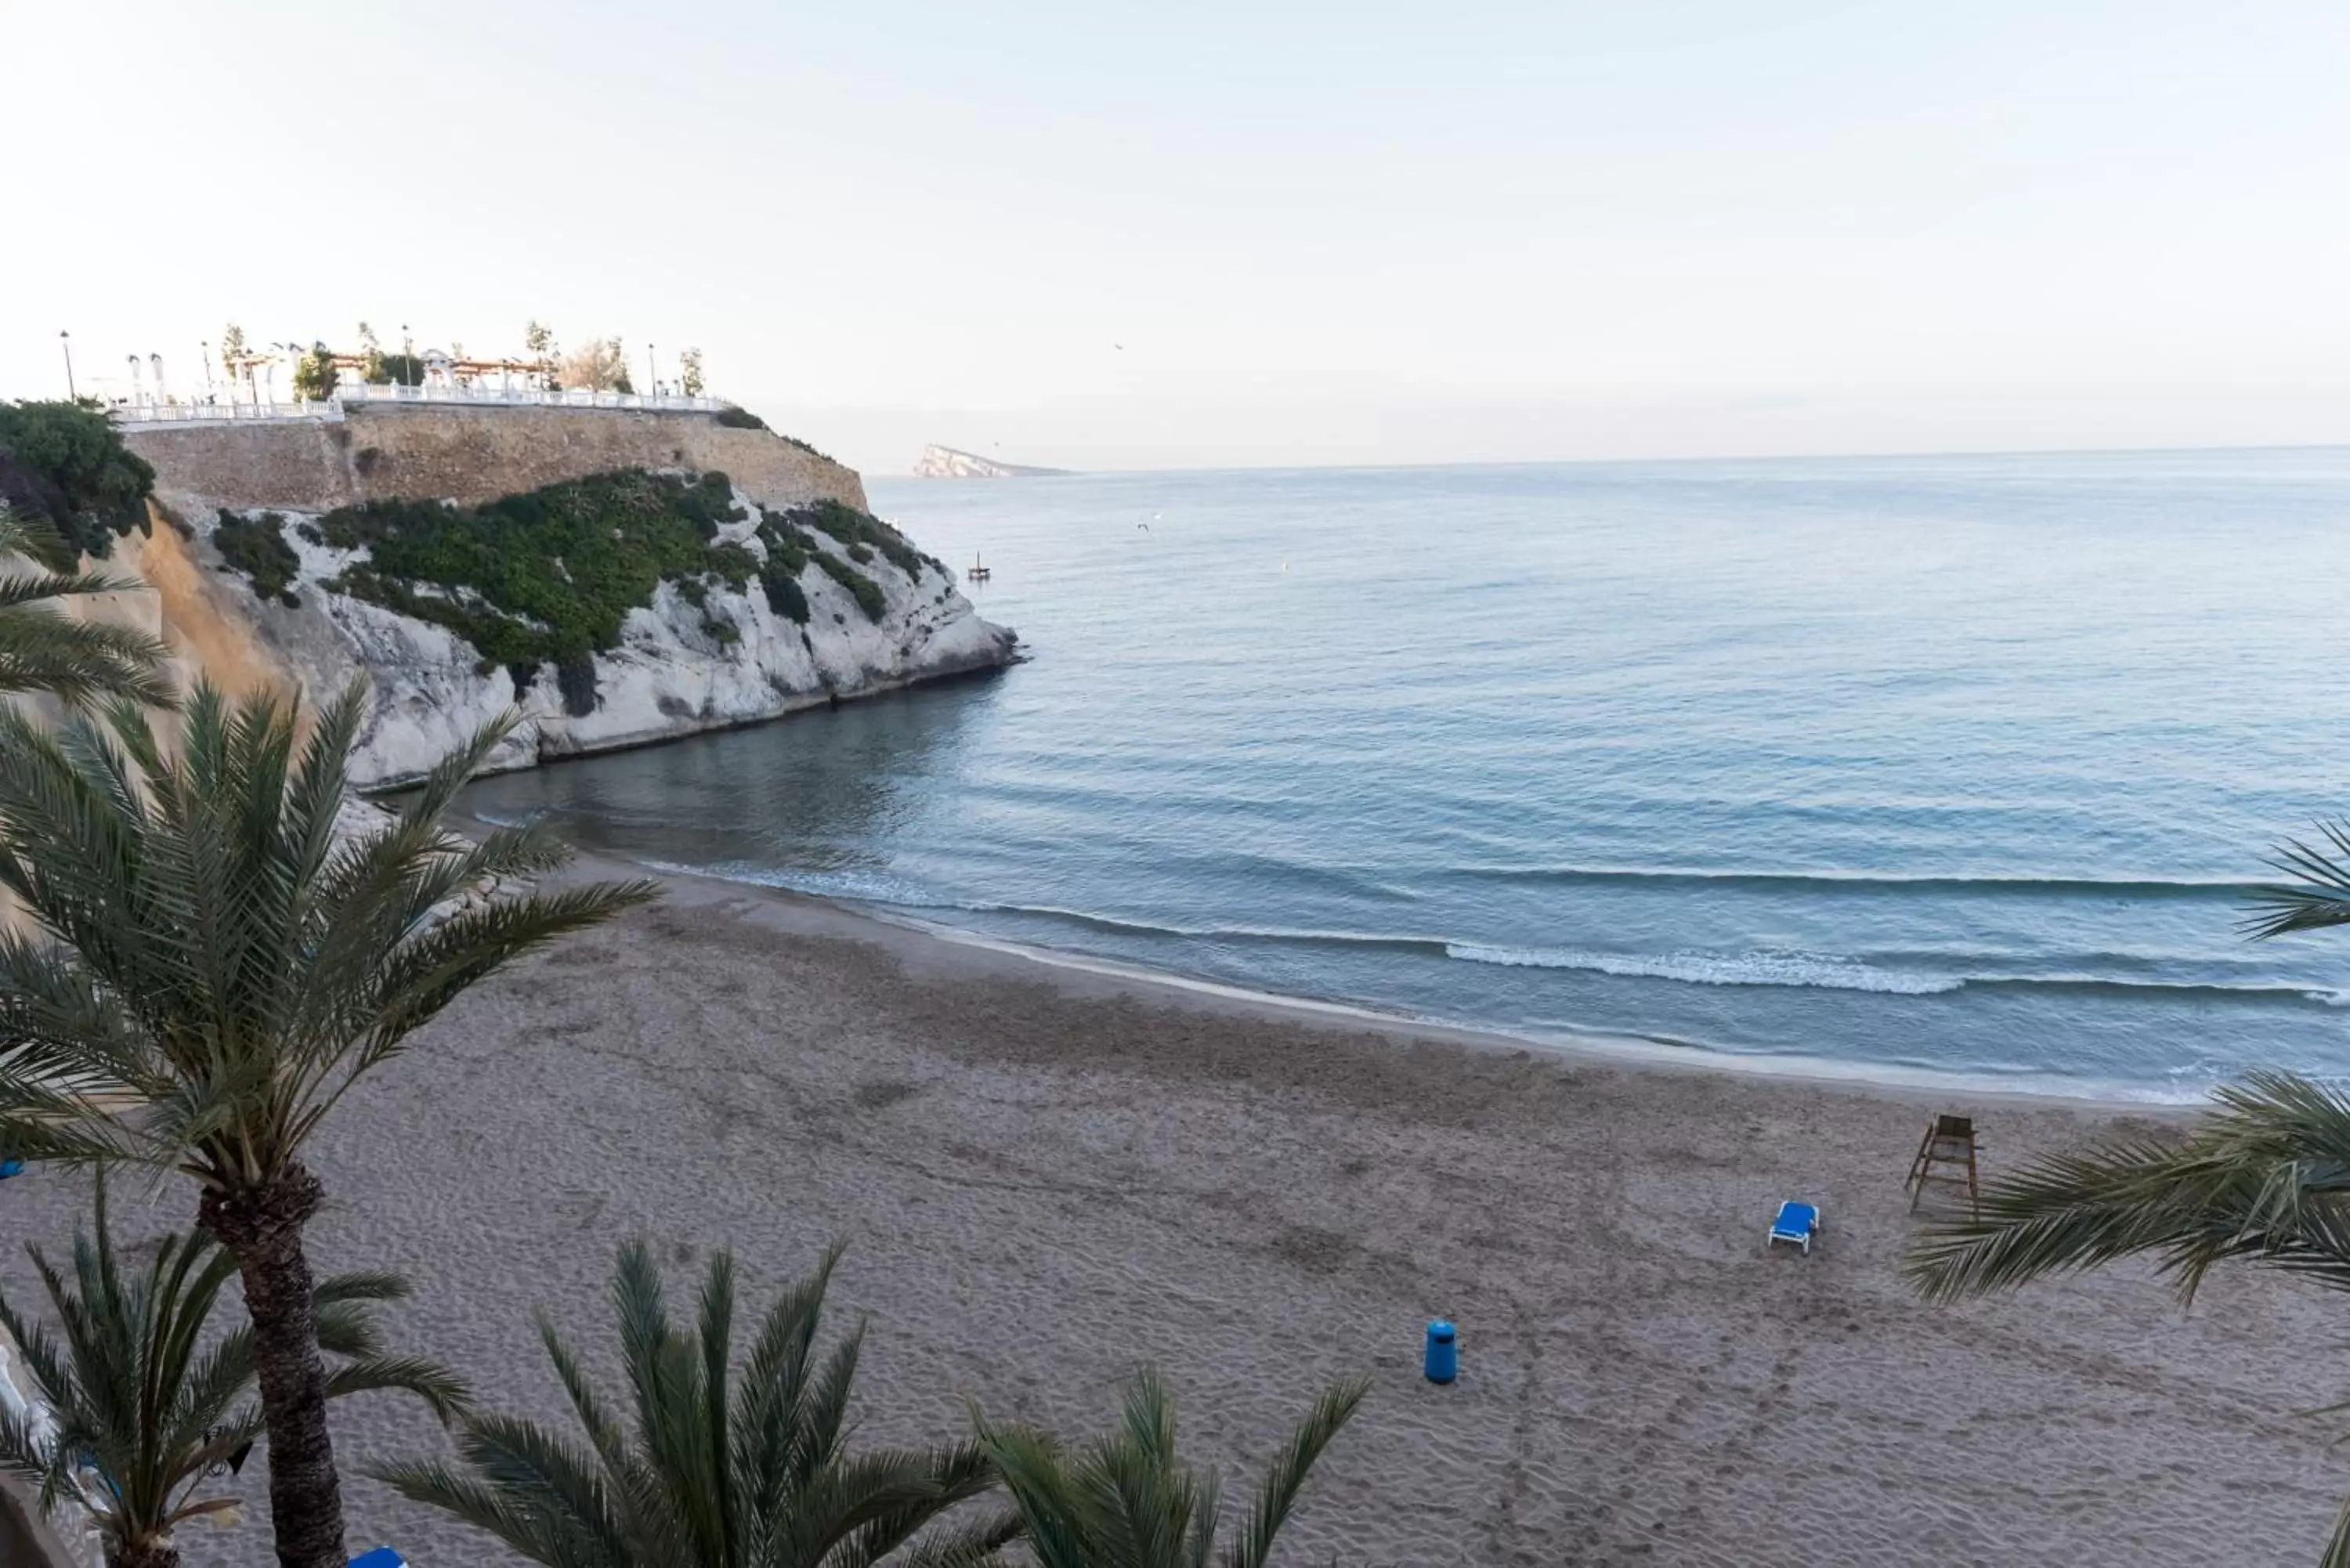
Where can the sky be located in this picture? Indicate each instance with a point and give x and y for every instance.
(1104, 236)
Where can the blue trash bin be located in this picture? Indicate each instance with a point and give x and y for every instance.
(1443, 1352)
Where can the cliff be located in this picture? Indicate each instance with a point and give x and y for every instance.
(622, 577)
(946, 462)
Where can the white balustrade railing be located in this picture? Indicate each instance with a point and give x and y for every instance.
(331, 409)
(220, 413)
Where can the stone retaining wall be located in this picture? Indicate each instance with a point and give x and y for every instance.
(469, 455)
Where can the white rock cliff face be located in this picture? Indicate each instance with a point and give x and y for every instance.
(946, 462)
(669, 676)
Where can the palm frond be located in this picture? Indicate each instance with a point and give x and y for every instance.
(443, 1390)
(2337, 1545)
(79, 661)
(2316, 892)
(137, 1378)
(211, 972)
(1287, 1476)
(722, 1466)
(1130, 1499)
(2266, 1178)
(512, 1511)
(37, 538)
(978, 1544)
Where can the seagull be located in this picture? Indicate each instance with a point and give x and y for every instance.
(1144, 526)
(1119, 347)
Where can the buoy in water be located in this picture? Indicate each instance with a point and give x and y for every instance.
(1443, 1361)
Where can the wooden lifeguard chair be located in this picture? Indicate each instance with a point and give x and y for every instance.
(1950, 1142)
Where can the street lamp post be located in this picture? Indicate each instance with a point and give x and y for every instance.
(64, 341)
(652, 374)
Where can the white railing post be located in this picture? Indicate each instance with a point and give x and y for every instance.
(333, 407)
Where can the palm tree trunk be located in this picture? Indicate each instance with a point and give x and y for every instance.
(262, 1227)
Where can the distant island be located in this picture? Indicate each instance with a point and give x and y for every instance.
(946, 462)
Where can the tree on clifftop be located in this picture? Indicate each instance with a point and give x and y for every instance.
(600, 367)
(75, 472)
(314, 377)
(208, 968)
(539, 342)
(689, 372)
(232, 353)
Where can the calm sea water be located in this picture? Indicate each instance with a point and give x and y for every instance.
(1942, 765)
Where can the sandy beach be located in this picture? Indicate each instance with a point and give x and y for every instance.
(1049, 1176)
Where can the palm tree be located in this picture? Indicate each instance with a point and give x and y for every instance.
(41, 650)
(2265, 1179)
(142, 1414)
(1127, 1501)
(726, 1467)
(214, 970)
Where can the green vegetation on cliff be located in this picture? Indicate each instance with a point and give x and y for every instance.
(257, 547)
(547, 575)
(551, 575)
(862, 589)
(857, 530)
(65, 463)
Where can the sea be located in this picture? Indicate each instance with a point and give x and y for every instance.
(1925, 768)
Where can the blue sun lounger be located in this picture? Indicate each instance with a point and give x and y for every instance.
(1797, 1225)
(381, 1557)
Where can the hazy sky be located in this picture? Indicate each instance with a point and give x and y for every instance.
(1322, 233)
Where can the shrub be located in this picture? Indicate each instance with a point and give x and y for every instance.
(257, 547)
(710, 502)
(405, 369)
(92, 487)
(785, 595)
(789, 546)
(574, 674)
(854, 528)
(546, 575)
(736, 564)
(862, 589)
(736, 416)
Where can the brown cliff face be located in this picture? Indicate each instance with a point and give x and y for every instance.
(196, 612)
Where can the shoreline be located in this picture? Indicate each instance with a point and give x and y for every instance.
(1051, 1177)
(1085, 974)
